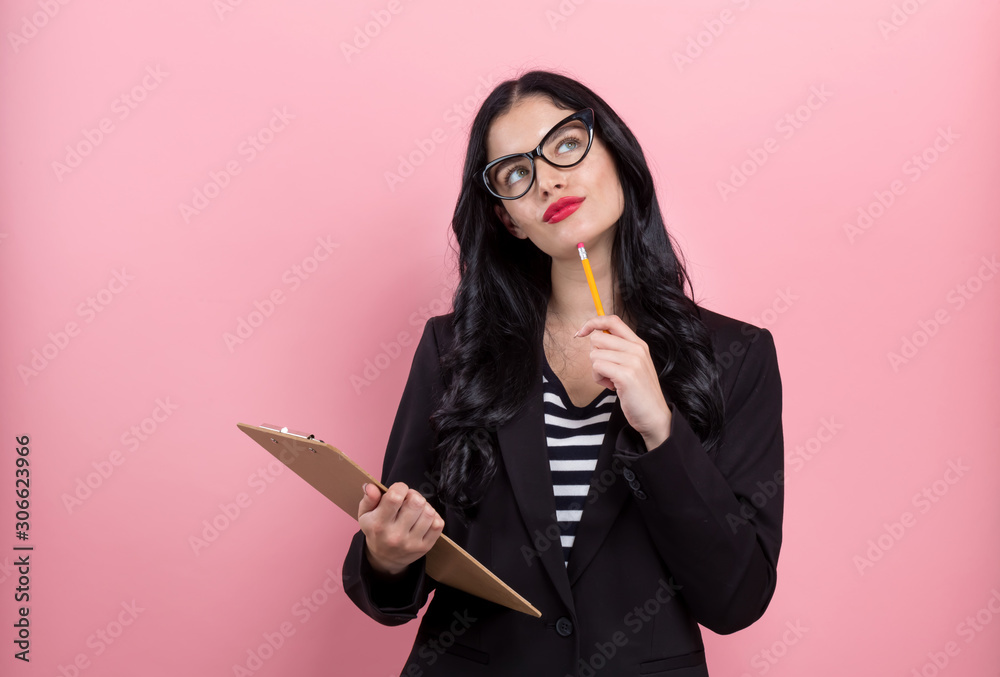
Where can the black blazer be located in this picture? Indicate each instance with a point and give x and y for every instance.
(669, 538)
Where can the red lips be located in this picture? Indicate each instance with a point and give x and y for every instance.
(561, 208)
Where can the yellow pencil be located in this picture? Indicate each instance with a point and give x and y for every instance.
(590, 280)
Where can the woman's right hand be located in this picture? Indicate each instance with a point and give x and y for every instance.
(400, 527)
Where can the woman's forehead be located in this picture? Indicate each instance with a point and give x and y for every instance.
(520, 129)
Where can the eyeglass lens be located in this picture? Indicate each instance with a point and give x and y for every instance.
(564, 146)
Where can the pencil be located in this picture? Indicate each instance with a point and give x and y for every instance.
(590, 280)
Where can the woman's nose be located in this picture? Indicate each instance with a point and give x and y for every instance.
(548, 177)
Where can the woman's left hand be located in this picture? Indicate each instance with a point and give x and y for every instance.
(621, 361)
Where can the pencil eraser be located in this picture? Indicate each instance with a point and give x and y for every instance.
(579, 244)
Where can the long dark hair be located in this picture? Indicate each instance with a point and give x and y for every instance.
(505, 283)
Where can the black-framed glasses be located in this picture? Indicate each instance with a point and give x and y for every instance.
(565, 145)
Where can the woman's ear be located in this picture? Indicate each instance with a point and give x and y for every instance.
(508, 223)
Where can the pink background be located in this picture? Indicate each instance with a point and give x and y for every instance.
(877, 577)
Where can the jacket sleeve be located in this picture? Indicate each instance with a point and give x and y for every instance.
(409, 459)
(717, 522)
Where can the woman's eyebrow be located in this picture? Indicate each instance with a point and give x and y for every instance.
(491, 158)
(522, 152)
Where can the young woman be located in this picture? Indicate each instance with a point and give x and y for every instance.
(623, 473)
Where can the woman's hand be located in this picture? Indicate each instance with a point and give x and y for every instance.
(400, 526)
(621, 361)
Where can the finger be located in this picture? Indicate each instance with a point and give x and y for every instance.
(619, 349)
(625, 359)
(413, 507)
(427, 522)
(391, 502)
(435, 530)
(607, 373)
(612, 325)
(368, 501)
(435, 525)
(423, 524)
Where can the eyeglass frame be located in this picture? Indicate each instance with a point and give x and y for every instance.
(586, 115)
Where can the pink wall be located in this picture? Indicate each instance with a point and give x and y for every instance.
(890, 555)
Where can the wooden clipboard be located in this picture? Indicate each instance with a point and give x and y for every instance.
(336, 476)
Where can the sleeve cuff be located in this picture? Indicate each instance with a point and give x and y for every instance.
(397, 597)
(630, 445)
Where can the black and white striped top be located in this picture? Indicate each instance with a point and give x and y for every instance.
(574, 436)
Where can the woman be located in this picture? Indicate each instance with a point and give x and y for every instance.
(623, 473)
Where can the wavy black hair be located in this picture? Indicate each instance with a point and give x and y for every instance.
(502, 296)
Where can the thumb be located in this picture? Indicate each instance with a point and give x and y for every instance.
(370, 499)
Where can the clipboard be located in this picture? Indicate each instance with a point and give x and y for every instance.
(332, 473)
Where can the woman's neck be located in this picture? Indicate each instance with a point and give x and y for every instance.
(571, 303)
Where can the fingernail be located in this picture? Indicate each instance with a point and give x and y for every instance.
(577, 334)
(364, 487)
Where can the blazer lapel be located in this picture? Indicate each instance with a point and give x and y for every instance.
(606, 499)
(525, 456)
(612, 493)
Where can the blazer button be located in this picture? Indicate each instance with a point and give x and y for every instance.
(634, 484)
(629, 475)
(640, 494)
(564, 627)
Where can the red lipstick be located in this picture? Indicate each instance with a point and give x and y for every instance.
(562, 208)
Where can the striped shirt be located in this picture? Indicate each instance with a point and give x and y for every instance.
(574, 436)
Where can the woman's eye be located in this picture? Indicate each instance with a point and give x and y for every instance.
(514, 175)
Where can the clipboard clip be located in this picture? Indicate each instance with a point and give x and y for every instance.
(285, 430)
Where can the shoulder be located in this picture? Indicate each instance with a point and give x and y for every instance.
(724, 328)
(728, 333)
(437, 336)
(740, 347)
(440, 328)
